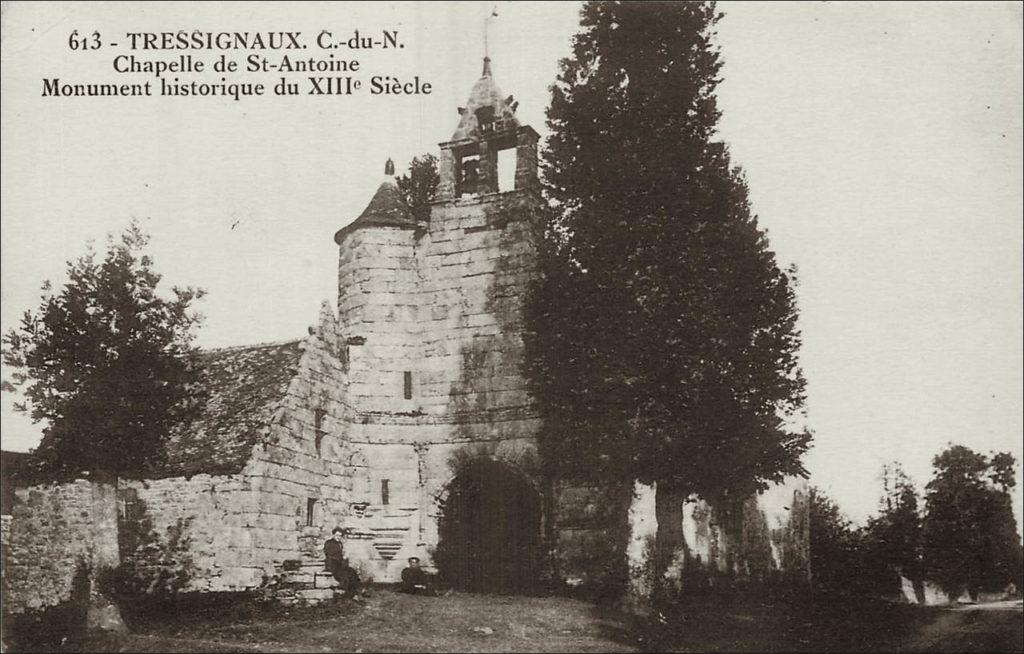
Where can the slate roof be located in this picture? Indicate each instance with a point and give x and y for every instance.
(387, 208)
(487, 96)
(239, 388)
(243, 387)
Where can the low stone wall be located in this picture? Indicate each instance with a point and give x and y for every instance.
(57, 532)
(188, 533)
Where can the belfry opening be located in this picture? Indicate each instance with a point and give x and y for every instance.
(490, 531)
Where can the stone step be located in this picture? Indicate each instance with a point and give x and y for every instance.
(315, 594)
(307, 565)
(313, 578)
(400, 514)
(297, 577)
(325, 580)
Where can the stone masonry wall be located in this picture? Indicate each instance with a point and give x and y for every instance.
(288, 470)
(379, 306)
(445, 305)
(56, 531)
(229, 533)
(189, 528)
(478, 262)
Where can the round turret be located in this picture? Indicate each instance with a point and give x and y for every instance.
(376, 284)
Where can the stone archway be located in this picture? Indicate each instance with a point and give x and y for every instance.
(490, 531)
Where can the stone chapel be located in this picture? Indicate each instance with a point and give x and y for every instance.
(403, 417)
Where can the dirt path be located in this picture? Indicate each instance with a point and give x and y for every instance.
(998, 626)
(392, 622)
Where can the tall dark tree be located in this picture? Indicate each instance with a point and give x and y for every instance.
(663, 341)
(106, 362)
(893, 537)
(419, 185)
(836, 549)
(971, 540)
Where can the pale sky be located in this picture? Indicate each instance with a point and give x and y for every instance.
(882, 144)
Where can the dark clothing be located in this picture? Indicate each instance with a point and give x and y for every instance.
(347, 578)
(334, 552)
(338, 566)
(417, 582)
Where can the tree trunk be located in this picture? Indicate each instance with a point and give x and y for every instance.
(670, 542)
(643, 527)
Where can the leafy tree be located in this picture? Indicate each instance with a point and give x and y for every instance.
(836, 549)
(663, 339)
(970, 535)
(105, 362)
(893, 537)
(419, 185)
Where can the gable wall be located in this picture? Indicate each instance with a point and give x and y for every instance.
(231, 532)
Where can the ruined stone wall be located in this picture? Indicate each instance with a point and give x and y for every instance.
(767, 540)
(57, 531)
(5, 540)
(188, 529)
(762, 542)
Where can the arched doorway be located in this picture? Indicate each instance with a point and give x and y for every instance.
(490, 531)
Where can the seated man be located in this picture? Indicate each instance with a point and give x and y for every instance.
(337, 564)
(416, 580)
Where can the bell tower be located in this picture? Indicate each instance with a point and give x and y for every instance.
(490, 152)
(432, 311)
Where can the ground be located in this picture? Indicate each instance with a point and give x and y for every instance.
(393, 622)
(459, 622)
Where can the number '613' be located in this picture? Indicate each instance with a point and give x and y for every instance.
(88, 42)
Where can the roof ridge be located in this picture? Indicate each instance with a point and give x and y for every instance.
(251, 346)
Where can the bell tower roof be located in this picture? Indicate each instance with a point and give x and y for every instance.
(486, 110)
(387, 208)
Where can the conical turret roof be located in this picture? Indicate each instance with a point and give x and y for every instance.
(488, 102)
(387, 208)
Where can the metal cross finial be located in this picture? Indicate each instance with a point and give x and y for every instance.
(487, 24)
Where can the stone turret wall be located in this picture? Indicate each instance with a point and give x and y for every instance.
(379, 310)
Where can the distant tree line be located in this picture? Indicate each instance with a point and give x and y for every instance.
(964, 537)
